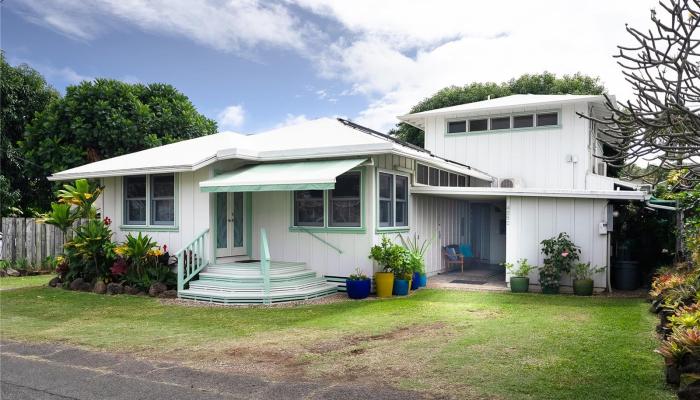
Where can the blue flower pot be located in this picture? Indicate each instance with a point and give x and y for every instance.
(400, 287)
(358, 289)
(423, 278)
(415, 282)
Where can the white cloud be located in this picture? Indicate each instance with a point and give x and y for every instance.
(292, 119)
(402, 52)
(231, 117)
(236, 26)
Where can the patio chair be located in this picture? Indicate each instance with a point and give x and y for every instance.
(452, 256)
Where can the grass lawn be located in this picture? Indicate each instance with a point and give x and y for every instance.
(14, 282)
(460, 344)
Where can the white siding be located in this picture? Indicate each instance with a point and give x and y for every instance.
(531, 220)
(537, 157)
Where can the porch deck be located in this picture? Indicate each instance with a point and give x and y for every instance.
(480, 276)
(243, 283)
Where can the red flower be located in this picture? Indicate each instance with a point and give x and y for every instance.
(119, 267)
(107, 221)
(165, 248)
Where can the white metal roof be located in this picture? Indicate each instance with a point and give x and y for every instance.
(500, 104)
(320, 138)
(493, 192)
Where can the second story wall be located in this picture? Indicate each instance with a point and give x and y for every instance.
(536, 157)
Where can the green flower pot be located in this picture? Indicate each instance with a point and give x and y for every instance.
(550, 289)
(583, 287)
(519, 284)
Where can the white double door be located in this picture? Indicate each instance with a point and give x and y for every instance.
(230, 224)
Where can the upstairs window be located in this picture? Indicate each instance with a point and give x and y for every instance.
(453, 180)
(434, 177)
(500, 123)
(523, 121)
(548, 119)
(444, 178)
(478, 125)
(456, 126)
(422, 174)
(462, 181)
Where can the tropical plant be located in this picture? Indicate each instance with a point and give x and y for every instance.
(523, 270)
(61, 216)
(416, 249)
(139, 251)
(585, 271)
(358, 275)
(81, 194)
(560, 252)
(91, 252)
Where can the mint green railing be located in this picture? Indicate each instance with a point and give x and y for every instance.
(265, 265)
(191, 259)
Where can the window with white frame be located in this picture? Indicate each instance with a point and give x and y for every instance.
(393, 200)
(504, 122)
(344, 204)
(149, 200)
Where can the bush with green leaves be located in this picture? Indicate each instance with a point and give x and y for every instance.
(416, 252)
(91, 252)
(140, 263)
(585, 271)
(390, 256)
(560, 252)
(549, 276)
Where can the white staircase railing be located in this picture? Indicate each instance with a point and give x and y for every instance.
(191, 259)
(265, 265)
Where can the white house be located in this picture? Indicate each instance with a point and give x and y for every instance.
(499, 174)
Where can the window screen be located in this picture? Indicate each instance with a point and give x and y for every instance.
(547, 119)
(163, 199)
(453, 180)
(308, 208)
(523, 121)
(500, 123)
(477, 125)
(434, 177)
(401, 200)
(386, 194)
(456, 126)
(444, 178)
(345, 200)
(422, 174)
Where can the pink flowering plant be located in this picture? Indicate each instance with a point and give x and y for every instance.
(561, 252)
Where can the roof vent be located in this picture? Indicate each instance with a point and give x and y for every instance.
(508, 183)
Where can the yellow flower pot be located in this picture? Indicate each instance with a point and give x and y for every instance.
(384, 282)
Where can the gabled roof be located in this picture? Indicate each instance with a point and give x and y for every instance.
(316, 139)
(501, 104)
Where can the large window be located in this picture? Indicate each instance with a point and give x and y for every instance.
(149, 200)
(393, 200)
(340, 207)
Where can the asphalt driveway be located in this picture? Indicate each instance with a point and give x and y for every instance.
(49, 371)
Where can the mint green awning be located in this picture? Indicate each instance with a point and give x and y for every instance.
(301, 175)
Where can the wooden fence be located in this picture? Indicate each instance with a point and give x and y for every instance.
(25, 238)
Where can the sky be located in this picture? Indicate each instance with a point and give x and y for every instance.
(255, 65)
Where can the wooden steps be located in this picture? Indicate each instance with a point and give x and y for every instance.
(242, 283)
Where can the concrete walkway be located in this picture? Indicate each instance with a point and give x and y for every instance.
(482, 277)
(49, 371)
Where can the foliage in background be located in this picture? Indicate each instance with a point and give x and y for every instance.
(544, 83)
(416, 252)
(585, 271)
(523, 270)
(687, 196)
(23, 93)
(390, 256)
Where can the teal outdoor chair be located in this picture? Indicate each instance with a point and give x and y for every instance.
(467, 253)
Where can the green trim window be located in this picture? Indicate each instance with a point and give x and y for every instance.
(523, 121)
(531, 120)
(338, 208)
(393, 200)
(149, 200)
(436, 177)
(548, 119)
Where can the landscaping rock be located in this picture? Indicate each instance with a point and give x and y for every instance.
(100, 287)
(114, 288)
(156, 289)
(690, 387)
(76, 284)
(12, 272)
(86, 287)
(132, 290)
(55, 281)
(169, 294)
(3, 273)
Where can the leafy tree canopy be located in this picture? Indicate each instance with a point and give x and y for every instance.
(23, 93)
(102, 119)
(544, 83)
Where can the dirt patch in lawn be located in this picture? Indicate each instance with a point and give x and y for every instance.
(400, 333)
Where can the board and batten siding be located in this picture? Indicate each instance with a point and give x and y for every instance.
(192, 210)
(531, 220)
(537, 157)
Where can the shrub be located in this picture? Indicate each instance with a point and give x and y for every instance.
(584, 271)
(91, 252)
(390, 256)
(549, 276)
(358, 276)
(560, 252)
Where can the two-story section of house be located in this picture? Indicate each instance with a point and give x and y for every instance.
(549, 179)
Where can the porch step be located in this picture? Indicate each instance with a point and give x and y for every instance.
(242, 282)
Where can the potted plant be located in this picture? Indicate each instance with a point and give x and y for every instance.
(519, 279)
(549, 279)
(383, 254)
(560, 254)
(583, 278)
(416, 256)
(358, 285)
(402, 279)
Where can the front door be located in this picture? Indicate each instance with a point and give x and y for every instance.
(230, 224)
